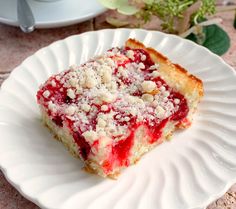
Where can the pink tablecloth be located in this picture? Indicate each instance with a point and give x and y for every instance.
(16, 46)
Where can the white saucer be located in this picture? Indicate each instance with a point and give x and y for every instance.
(52, 14)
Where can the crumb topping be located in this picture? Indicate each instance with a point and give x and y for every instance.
(148, 86)
(46, 94)
(109, 93)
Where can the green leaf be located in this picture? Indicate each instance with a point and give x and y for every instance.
(215, 39)
(116, 22)
(148, 1)
(127, 10)
(110, 4)
(122, 6)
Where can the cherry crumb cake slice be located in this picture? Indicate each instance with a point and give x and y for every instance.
(117, 106)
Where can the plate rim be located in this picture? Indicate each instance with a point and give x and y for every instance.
(18, 187)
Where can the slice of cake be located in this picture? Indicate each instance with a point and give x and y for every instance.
(117, 106)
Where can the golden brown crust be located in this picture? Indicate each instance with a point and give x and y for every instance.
(176, 77)
(193, 78)
(157, 57)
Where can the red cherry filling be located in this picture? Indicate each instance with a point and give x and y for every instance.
(120, 149)
(58, 120)
(183, 107)
(120, 154)
(84, 147)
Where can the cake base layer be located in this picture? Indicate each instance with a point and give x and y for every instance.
(140, 147)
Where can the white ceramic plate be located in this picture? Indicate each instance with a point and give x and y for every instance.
(52, 14)
(189, 172)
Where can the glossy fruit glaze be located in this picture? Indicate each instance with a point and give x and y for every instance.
(119, 156)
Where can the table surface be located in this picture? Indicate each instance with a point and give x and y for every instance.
(15, 46)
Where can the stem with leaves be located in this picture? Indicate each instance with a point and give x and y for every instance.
(171, 12)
